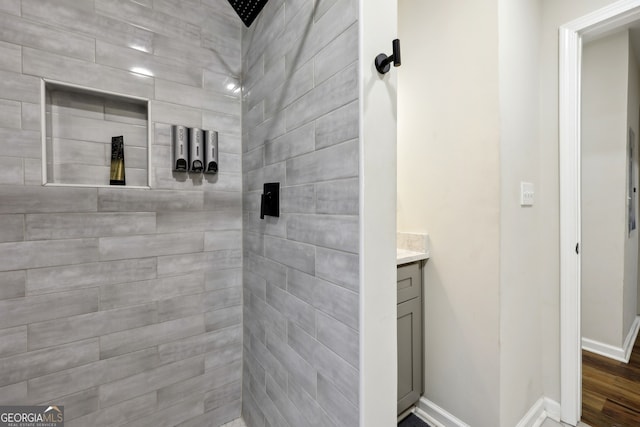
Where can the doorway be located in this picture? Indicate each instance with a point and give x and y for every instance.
(572, 36)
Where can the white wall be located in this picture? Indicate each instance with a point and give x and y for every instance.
(604, 159)
(630, 292)
(554, 14)
(449, 186)
(520, 274)
(378, 310)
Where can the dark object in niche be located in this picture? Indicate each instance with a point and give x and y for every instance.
(116, 177)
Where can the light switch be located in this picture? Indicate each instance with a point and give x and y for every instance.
(527, 193)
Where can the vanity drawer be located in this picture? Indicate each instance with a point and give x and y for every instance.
(409, 281)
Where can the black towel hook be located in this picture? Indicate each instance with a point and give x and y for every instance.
(382, 61)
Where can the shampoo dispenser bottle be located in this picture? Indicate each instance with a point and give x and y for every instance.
(211, 151)
(180, 149)
(196, 158)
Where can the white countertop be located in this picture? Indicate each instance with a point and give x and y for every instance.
(405, 256)
(412, 247)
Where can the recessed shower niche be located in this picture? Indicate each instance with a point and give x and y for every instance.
(78, 124)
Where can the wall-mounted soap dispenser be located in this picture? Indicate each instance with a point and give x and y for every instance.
(210, 151)
(180, 149)
(196, 158)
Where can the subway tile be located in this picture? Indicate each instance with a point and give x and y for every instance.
(254, 116)
(339, 409)
(279, 397)
(10, 114)
(196, 97)
(86, 129)
(67, 277)
(268, 317)
(47, 253)
(219, 240)
(341, 52)
(74, 328)
(292, 144)
(31, 309)
(333, 300)
(338, 197)
(309, 407)
(166, 112)
(146, 291)
(185, 222)
(116, 200)
(221, 82)
(339, 161)
(65, 103)
(114, 248)
(144, 63)
(273, 272)
(329, 231)
(271, 413)
(298, 199)
(338, 90)
(273, 367)
(293, 254)
(80, 17)
(269, 226)
(29, 199)
(273, 77)
(210, 379)
(150, 19)
(271, 128)
(344, 377)
(223, 318)
(322, 7)
(49, 65)
(76, 405)
(12, 284)
(119, 414)
(126, 112)
(222, 396)
(295, 85)
(10, 57)
(30, 116)
(32, 172)
(10, 6)
(201, 344)
(70, 226)
(19, 87)
(13, 341)
(20, 143)
(28, 33)
(210, 262)
(11, 171)
(293, 308)
(175, 415)
(221, 358)
(213, 65)
(253, 159)
(223, 298)
(338, 267)
(253, 243)
(251, 413)
(301, 372)
(222, 279)
(34, 364)
(256, 284)
(153, 379)
(11, 227)
(228, 124)
(14, 394)
(180, 307)
(130, 340)
(339, 338)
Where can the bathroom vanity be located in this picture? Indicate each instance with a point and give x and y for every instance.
(410, 262)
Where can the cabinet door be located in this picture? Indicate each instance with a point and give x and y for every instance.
(409, 281)
(409, 353)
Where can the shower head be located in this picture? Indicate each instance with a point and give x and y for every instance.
(248, 10)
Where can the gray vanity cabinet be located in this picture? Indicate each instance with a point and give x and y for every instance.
(409, 335)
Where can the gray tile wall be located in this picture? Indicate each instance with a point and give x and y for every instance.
(301, 280)
(124, 305)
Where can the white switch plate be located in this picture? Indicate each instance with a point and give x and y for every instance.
(527, 193)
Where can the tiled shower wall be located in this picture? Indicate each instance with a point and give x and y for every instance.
(123, 305)
(301, 280)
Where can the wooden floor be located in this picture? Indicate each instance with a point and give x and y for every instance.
(611, 390)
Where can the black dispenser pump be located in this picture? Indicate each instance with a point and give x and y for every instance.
(247, 10)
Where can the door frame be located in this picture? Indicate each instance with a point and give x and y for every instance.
(571, 38)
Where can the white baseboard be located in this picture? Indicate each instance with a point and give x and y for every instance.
(541, 410)
(436, 415)
(621, 354)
